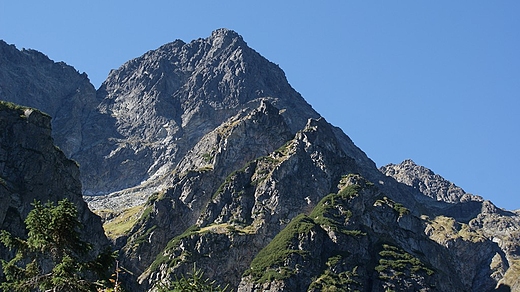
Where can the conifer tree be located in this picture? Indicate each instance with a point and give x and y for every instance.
(53, 257)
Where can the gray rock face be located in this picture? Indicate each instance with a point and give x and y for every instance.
(163, 102)
(427, 182)
(32, 168)
(467, 217)
(202, 170)
(31, 79)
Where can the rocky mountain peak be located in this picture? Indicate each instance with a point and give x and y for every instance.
(224, 37)
(427, 182)
(156, 107)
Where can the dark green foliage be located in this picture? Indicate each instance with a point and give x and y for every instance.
(336, 278)
(188, 232)
(144, 237)
(400, 271)
(285, 148)
(6, 105)
(399, 208)
(207, 157)
(402, 210)
(172, 244)
(193, 282)
(10, 106)
(349, 192)
(327, 214)
(396, 262)
(268, 264)
(53, 257)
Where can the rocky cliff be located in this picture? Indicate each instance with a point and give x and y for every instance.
(33, 168)
(427, 182)
(202, 153)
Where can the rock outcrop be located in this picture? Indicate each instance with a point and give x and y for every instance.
(427, 182)
(33, 168)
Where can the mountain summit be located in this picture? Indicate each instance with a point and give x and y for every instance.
(161, 103)
(203, 153)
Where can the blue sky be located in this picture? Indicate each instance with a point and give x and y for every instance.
(434, 81)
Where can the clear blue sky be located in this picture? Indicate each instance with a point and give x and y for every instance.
(434, 81)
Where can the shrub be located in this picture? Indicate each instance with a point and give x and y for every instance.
(53, 257)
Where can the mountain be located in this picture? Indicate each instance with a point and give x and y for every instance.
(203, 153)
(30, 78)
(163, 102)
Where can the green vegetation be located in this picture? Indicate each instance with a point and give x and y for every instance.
(232, 176)
(225, 129)
(194, 229)
(193, 282)
(395, 262)
(145, 214)
(123, 223)
(226, 228)
(268, 264)
(156, 196)
(285, 149)
(262, 166)
(143, 237)
(205, 168)
(207, 157)
(53, 258)
(399, 208)
(328, 215)
(334, 281)
(6, 105)
(163, 257)
(353, 232)
(447, 228)
(331, 282)
(349, 192)
(215, 228)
